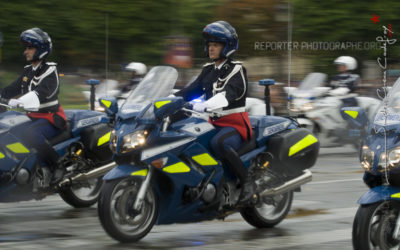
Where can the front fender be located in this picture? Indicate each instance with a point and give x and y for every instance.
(126, 170)
(380, 193)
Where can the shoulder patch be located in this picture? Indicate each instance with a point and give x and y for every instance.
(208, 64)
(51, 63)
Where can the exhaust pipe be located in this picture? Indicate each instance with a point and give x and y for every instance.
(289, 185)
(86, 176)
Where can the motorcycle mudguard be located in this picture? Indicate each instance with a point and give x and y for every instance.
(380, 193)
(125, 170)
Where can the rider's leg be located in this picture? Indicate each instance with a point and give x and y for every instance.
(225, 144)
(37, 135)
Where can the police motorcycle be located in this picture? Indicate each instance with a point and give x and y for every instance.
(377, 222)
(167, 174)
(318, 109)
(84, 153)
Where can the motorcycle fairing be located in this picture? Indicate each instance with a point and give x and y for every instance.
(380, 193)
(125, 170)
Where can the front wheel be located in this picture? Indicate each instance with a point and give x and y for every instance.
(373, 227)
(269, 212)
(116, 212)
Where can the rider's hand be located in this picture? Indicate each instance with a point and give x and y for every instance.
(14, 103)
(200, 107)
(339, 91)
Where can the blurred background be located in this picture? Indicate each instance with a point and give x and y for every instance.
(96, 39)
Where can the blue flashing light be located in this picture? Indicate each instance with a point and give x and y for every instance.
(92, 82)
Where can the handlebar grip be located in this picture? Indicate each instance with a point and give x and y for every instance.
(188, 105)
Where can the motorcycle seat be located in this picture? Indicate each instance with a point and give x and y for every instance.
(63, 136)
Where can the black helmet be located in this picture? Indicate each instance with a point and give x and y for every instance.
(221, 32)
(39, 39)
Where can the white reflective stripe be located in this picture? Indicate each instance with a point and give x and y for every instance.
(35, 33)
(244, 84)
(42, 55)
(58, 84)
(148, 153)
(223, 27)
(48, 104)
(50, 70)
(226, 79)
(228, 112)
(230, 53)
(236, 69)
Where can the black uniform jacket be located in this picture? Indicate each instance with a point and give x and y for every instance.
(231, 79)
(43, 81)
(346, 80)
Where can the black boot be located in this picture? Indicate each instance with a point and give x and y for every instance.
(52, 159)
(239, 169)
(248, 191)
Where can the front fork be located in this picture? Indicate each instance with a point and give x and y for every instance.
(143, 189)
(397, 227)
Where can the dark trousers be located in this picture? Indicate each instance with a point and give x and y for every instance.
(225, 138)
(225, 145)
(37, 135)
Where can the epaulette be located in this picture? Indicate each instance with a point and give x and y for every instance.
(51, 63)
(208, 64)
(236, 62)
(26, 66)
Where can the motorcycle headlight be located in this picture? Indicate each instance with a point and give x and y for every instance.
(113, 141)
(133, 140)
(390, 160)
(307, 107)
(367, 158)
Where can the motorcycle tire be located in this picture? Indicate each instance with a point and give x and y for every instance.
(115, 209)
(370, 227)
(265, 215)
(77, 197)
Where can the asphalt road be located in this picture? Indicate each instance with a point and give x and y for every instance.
(321, 218)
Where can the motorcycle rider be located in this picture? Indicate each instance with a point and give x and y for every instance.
(345, 82)
(138, 70)
(227, 78)
(39, 83)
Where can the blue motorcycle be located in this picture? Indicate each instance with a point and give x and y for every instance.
(84, 153)
(167, 174)
(377, 222)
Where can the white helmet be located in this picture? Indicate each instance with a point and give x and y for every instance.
(137, 67)
(348, 61)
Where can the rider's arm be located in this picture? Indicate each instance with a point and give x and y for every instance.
(12, 90)
(193, 91)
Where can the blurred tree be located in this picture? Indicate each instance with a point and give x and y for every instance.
(254, 20)
(136, 28)
(344, 21)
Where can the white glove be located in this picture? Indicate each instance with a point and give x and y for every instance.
(339, 91)
(199, 107)
(14, 103)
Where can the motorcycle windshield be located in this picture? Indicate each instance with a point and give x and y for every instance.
(389, 109)
(158, 83)
(312, 80)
